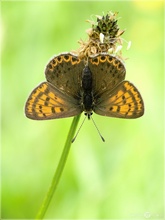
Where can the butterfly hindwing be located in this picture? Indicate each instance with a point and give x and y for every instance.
(65, 72)
(107, 72)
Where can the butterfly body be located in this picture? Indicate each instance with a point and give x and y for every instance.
(74, 86)
(87, 90)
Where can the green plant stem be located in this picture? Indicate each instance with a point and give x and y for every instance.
(59, 169)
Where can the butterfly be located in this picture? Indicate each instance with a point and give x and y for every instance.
(74, 85)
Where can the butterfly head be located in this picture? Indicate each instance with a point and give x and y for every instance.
(88, 114)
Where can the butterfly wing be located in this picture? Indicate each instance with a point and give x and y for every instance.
(65, 73)
(113, 97)
(107, 72)
(124, 101)
(48, 102)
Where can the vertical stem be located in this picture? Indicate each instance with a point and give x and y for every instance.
(59, 169)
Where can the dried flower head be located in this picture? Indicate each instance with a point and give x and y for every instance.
(104, 37)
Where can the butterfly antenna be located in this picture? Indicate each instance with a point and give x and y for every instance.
(97, 129)
(78, 130)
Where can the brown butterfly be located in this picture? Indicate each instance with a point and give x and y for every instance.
(74, 86)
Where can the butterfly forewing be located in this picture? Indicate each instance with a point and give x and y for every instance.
(65, 72)
(124, 101)
(48, 102)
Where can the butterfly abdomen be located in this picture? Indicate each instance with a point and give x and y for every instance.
(87, 89)
(87, 79)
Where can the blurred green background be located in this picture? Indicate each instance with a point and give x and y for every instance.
(121, 178)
